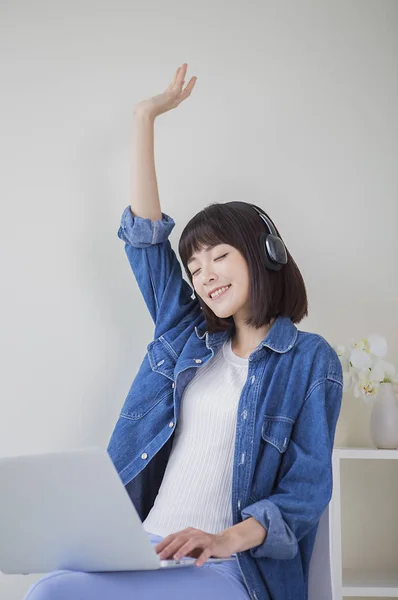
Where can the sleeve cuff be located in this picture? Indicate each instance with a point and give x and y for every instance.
(280, 541)
(142, 233)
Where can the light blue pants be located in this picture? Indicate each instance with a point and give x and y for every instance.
(213, 581)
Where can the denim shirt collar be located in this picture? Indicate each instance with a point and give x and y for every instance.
(280, 338)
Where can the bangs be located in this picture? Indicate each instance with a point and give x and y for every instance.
(203, 232)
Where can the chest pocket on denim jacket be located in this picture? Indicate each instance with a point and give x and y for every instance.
(153, 385)
(162, 357)
(276, 430)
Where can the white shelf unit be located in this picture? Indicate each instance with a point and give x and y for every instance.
(359, 582)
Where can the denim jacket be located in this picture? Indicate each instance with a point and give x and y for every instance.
(286, 419)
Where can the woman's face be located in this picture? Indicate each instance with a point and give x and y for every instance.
(218, 267)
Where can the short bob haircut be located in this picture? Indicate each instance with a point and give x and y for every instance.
(272, 293)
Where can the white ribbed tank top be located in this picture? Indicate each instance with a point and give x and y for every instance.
(197, 484)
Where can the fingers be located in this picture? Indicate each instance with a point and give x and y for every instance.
(186, 549)
(165, 542)
(188, 88)
(169, 538)
(171, 549)
(203, 557)
(202, 554)
(180, 546)
(175, 77)
(179, 79)
(179, 76)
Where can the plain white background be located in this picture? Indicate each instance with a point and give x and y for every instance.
(294, 109)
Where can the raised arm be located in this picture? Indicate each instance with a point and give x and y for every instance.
(145, 229)
(145, 194)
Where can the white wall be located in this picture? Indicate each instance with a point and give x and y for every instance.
(295, 109)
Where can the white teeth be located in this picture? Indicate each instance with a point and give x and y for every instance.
(219, 291)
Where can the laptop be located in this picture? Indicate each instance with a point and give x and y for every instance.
(70, 510)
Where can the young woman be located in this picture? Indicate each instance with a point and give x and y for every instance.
(224, 442)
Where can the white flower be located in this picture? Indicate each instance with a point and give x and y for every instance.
(364, 368)
(377, 371)
(359, 358)
(377, 345)
(366, 387)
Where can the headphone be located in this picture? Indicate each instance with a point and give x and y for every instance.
(275, 254)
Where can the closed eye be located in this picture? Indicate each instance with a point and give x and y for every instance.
(197, 270)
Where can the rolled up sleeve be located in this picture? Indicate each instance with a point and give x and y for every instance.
(142, 233)
(305, 483)
(167, 295)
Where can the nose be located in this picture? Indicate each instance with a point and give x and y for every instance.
(206, 275)
(208, 282)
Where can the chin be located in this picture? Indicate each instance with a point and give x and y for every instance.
(223, 314)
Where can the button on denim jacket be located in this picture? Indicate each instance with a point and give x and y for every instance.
(286, 419)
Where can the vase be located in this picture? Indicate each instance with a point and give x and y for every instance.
(384, 418)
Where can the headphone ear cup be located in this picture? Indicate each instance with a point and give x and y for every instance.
(271, 254)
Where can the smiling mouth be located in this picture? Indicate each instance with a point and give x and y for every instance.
(220, 295)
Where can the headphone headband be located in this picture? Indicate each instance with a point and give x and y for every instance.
(267, 221)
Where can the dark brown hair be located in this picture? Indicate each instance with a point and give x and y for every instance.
(272, 293)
